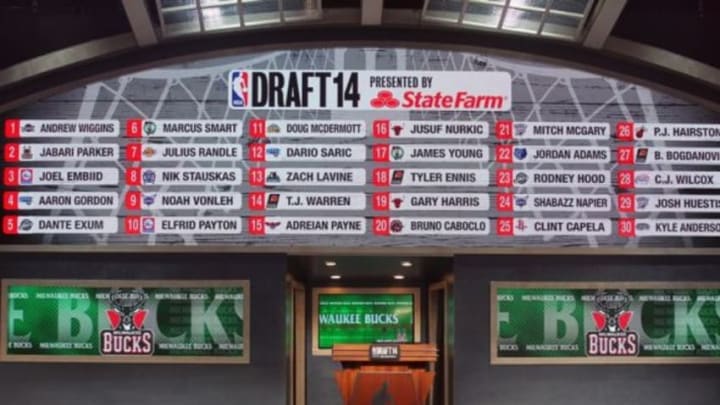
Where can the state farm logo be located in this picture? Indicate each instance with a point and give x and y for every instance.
(385, 98)
(612, 319)
(126, 317)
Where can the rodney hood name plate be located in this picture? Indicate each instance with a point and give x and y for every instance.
(191, 177)
(40, 200)
(437, 226)
(677, 203)
(61, 128)
(66, 224)
(562, 202)
(190, 225)
(434, 153)
(189, 200)
(311, 201)
(557, 227)
(670, 179)
(561, 178)
(439, 202)
(561, 130)
(177, 152)
(314, 225)
(677, 227)
(431, 129)
(46, 176)
(307, 129)
(185, 128)
(314, 177)
(66, 152)
(312, 153)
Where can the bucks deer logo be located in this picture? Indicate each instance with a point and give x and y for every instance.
(126, 317)
(612, 317)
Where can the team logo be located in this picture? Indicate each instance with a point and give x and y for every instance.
(272, 225)
(27, 153)
(385, 98)
(519, 129)
(273, 151)
(239, 89)
(26, 176)
(642, 179)
(148, 225)
(127, 315)
(25, 200)
(396, 226)
(26, 225)
(149, 177)
(397, 130)
(520, 153)
(273, 129)
(641, 155)
(28, 128)
(397, 202)
(272, 201)
(521, 200)
(640, 133)
(641, 202)
(521, 178)
(642, 226)
(272, 177)
(397, 152)
(149, 152)
(521, 225)
(149, 199)
(612, 318)
(397, 176)
(149, 128)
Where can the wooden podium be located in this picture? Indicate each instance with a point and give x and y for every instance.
(380, 374)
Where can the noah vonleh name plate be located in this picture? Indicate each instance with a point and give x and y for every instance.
(307, 153)
(136, 128)
(396, 226)
(21, 225)
(430, 129)
(431, 153)
(181, 153)
(40, 200)
(677, 227)
(629, 131)
(47, 176)
(306, 201)
(260, 128)
(553, 130)
(555, 227)
(149, 225)
(181, 201)
(552, 154)
(307, 225)
(61, 152)
(17, 128)
(182, 177)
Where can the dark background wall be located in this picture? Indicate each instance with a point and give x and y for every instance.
(477, 382)
(263, 381)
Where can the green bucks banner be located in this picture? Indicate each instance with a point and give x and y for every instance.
(357, 316)
(540, 323)
(126, 321)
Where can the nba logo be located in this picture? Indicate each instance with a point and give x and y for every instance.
(238, 89)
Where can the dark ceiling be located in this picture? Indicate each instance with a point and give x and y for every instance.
(369, 270)
(30, 28)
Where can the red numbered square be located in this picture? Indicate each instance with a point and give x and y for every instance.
(626, 227)
(257, 128)
(256, 225)
(624, 131)
(504, 226)
(9, 226)
(133, 225)
(381, 177)
(10, 200)
(133, 200)
(626, 203)
(626, 155)
(504, 177)
(12, 128)
(256, 201)
(133, 128)
(12, 152)
(626, 179)
(381, 201)
(381, 153)
(381, 129)
(11, 176)
(133, 176)
(504, 154)
(381, 226)
(504, 202)
(256, 152)
(256, 176)
(133, 152)
(504, 130)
